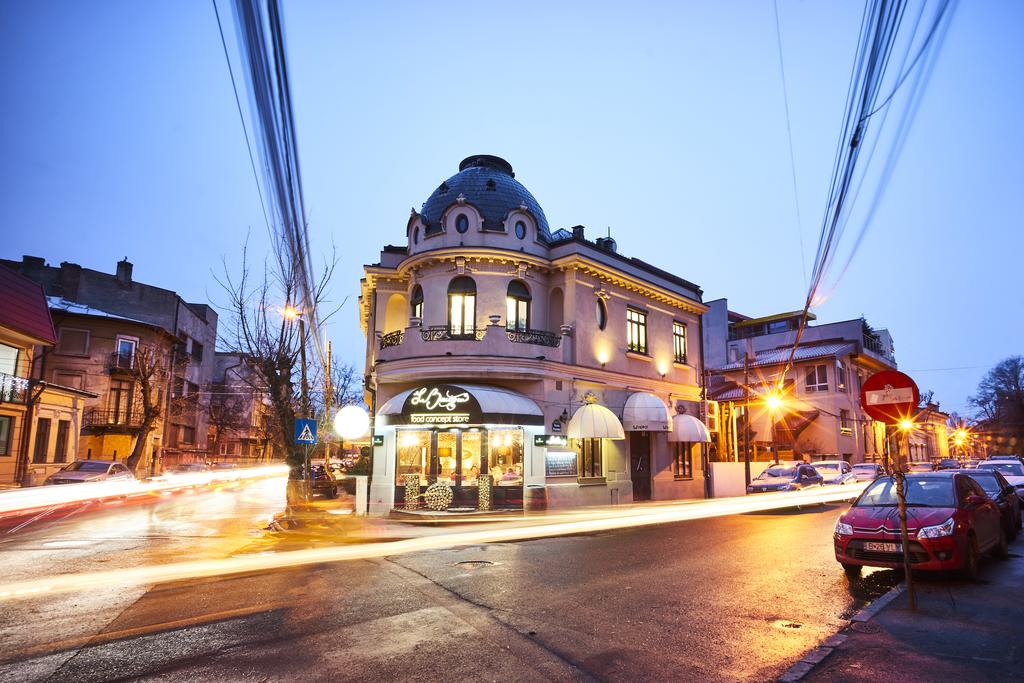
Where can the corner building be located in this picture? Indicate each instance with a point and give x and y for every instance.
(561, 368)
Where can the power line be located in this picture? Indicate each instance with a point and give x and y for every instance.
(789, 138)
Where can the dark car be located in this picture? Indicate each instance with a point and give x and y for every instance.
(918, 467)
(947, 464)
(950, 524)
(785, 478)
(1005, 496)
(323, 481)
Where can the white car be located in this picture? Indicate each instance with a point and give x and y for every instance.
(867, 471)
(1012, 471)
(834, 471)
(81, 471)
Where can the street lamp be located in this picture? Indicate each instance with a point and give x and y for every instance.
(773, 402)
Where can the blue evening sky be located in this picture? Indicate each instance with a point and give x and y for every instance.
(664, 121)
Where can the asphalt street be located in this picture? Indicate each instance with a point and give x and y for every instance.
(729, 598)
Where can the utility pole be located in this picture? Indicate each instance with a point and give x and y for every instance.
(746, 417)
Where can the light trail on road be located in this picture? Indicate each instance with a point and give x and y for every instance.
(557, 524)
(39, 499)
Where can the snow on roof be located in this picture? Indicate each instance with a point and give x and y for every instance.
(781, 355)
(57, 303)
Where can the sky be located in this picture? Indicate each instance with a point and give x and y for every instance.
(663, 122)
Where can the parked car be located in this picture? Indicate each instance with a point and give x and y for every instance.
(81, 471)
(918, 467)
(785, 478)
(1014, 458)
(1004, 495)
(225, 465)
(867, 471)
(950, 520)
(947, 464)
(835, 471)
(324, 482)
(192, 467)
(971, 464)
(1011, 471)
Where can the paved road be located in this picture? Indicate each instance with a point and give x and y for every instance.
(730, 598)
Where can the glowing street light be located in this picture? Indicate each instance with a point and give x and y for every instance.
(773, 401)
(906, 425)
(351, 422)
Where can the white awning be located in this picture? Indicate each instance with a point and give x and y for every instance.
(688, 429)
(497, 404)
(644, 412)
(594, 422)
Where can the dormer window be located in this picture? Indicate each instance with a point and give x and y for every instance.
(520, 230)
(461, 223)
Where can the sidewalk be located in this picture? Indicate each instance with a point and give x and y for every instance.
(961, 632)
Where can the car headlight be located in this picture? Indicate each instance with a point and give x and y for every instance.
(844, 529)
(944, 529)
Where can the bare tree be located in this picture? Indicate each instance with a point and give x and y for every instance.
(228, 412)
(257, 327)
(999, 402)
(150, 373)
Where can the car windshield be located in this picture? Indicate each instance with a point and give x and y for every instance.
(921, 492)
(870, 468)
(778, 473)
(1011, 468)
(828, 467)
(87, 466)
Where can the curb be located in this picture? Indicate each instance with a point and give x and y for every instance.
(816, 656)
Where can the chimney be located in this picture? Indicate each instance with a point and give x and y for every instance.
(577, 232)
(32, 267)
(607, 243)
(70, 276)
(124, 272)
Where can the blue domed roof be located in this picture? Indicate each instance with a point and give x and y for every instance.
(488, 183)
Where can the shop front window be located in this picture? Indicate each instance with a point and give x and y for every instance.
(472, 443)
(447, 450)
(590, 458)
(682, 463)
(413, 455)
(505, 456)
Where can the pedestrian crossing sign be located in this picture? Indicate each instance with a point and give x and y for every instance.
(305, 431)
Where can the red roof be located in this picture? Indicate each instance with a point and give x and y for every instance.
(23, 307)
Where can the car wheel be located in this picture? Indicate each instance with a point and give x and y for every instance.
(972, 560)
(1002, 547)
(852, 570)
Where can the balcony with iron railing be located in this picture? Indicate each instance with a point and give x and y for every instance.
(113, 419)
(13, 389)
(493, 340)
(874, 345)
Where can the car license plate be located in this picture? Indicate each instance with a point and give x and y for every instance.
(882, 547)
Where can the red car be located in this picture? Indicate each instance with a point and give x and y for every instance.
(950, 524)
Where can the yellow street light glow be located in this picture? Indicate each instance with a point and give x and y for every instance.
(291, 312)
(906, 425)
(773, 401)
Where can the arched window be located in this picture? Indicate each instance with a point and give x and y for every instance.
(416, 303)
(462, 307)
(602, 314)
(461, 223)
(416, 235)
(517, 307)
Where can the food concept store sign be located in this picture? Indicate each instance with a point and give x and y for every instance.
(441, 404)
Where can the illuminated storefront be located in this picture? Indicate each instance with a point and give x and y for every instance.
(453, 434)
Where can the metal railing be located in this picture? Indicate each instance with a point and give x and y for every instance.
(13, 389)
(539, 337)
(392, 339)
(444, 333)
(102, 417)
(873, 344)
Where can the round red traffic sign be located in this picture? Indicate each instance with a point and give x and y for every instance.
(889, 396)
